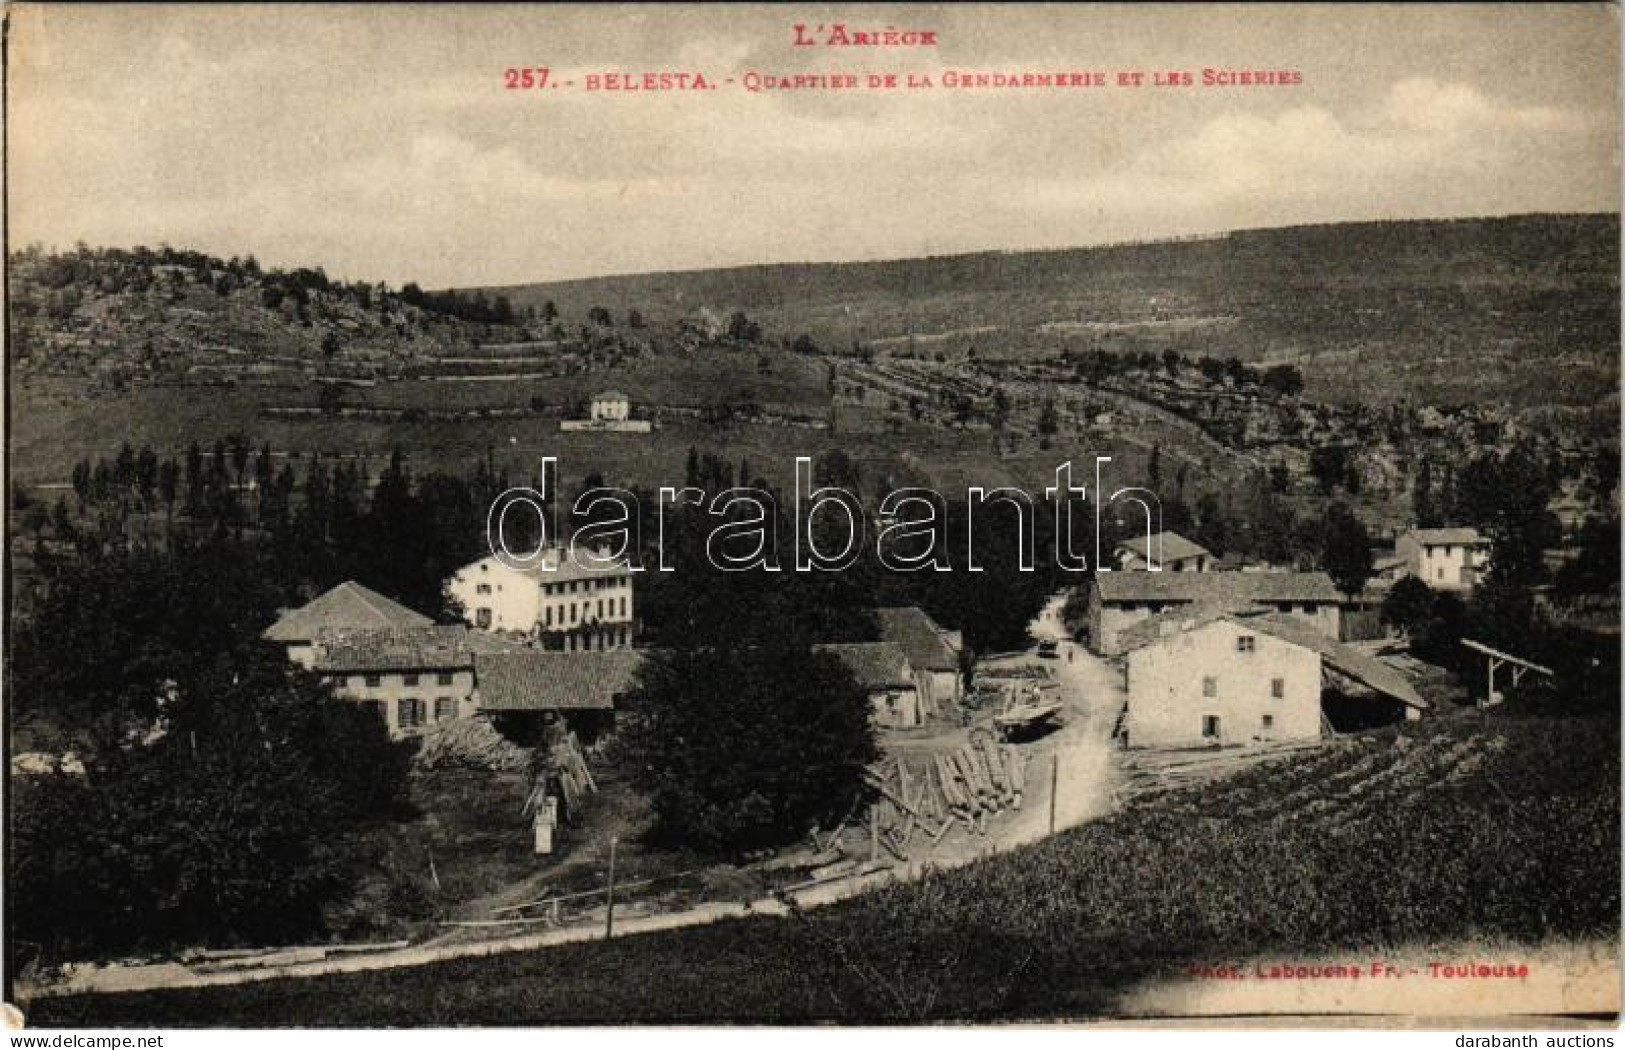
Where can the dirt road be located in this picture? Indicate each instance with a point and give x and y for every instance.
(1081, 753)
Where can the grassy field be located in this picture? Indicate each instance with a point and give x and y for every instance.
(1522, 310)
(1471, 826)
(57, 422)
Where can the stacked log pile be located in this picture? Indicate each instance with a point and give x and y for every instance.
(567, 766)
(469, 743)
(932, 793)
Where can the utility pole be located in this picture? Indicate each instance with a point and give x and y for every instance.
(609, 910)
(1054, 783)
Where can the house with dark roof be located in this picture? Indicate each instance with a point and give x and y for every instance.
(347, 607)
(582, 688)
(1450, 559)
(1119, 600)
(883, 670)
(932, 653)
(1164, 552)
(411, 677)
(1216, 677)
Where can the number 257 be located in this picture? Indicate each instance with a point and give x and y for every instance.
(523, 79)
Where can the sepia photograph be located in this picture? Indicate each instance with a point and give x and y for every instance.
(671, 515)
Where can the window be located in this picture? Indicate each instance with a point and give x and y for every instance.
(547, 616)
(623, 605)
(443, 678)
(1269, 721)
(1210, 687)
(445, 707)
(373, 681)
(1245, 643)
(409, 713)
(1210, 727)
(482, 617)
(484, 588)
(410, 679)
(1441, 573)
(1277, 689)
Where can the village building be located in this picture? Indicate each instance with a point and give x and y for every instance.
(567, 602)
(933, 653)
(883, 671)
(1224, 678)
(581, 689)
(411, 677)
(347, 607)
(1164, 552)
(1449, 559)
(1388, 567)
(608, 410)
(1119, 600)
(610, 406)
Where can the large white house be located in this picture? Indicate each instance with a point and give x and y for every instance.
(1237, 678)
(1452, 559)
(1222, 682)
(570, 600)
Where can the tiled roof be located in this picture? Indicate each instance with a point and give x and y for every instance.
(610, 395)
(432, 648)
(562, 569)
(1357, 664)
(1216, 588)
(1172, 621)
(1454, 536)
(349, 606)
(536, 680)
(875, 665)
(918, 636)
(1165, 547)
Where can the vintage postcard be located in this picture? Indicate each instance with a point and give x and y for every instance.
(812, 514)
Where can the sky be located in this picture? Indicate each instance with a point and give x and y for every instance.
(381, 144)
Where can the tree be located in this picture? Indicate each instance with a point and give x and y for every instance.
(218, 831)
(1345, 549)
(1424, 505)
(1596, 567)
(600, 317)
(1283, 379)
(1001, 408)
(634, 319)
(1049, 421)
(1333, 465)
(1408, 606)
(1507, 496)
(804, 344)
(746, 747)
